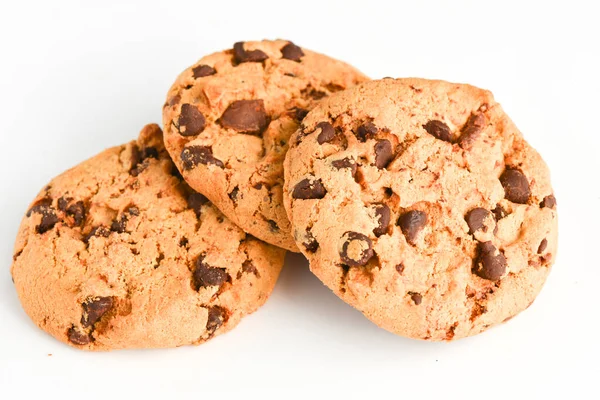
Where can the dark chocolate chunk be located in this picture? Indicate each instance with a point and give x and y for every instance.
(411, 224)
(383, 153)
(366, 131)
(476, 218)
(309, 189)
(292, 52)
(491, 263)
(205, 276)
(203, 70)
(48, 213)
(548, 202)
(191, 121)
(246, 116)
(516, 186)
(383, 215)
(94, 309)
(439, 130)
(357, 249)
(416, 297)
(327, 132)
(191, 156)
(78, 338)
(240, 55)
(216, 317)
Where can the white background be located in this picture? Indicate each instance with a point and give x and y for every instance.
(76, 79)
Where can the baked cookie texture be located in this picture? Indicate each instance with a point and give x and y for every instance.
(228, 120)
(419, 203)
(119, 253)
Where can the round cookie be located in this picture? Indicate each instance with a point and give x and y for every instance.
(119, 252)
(228, 120)
(419, 203)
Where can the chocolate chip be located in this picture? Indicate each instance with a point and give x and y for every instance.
(400, 268)
(99, 231)
(248, 267)
(184, 242)
(292, 52)
(327, 132)
(472, 128)
(195, 201)
(310, 244)
(174, 100)
(313, 93)
(366, 131)
(78, 338)
(499, 212)
(273, 225)
(77, 211)
(203, 70)
(516, 186)
(233, 195)
(94, 309)
(216, 317)
(542, 246)
(491, 263)
(138, 156)
(191, 121)
(191, 156)
(49, 217)
(206, 276)
(548, 202)
(357, 249)
(439, 130)
(416, 297)
(383, 216)
(411, 224)
(476, 218)
(63, 203)
(246, 116)
(240, 55)
(133, 210)
(383, 153)
(345, 163)
(309, 189)
(298, 113)
(119, 225)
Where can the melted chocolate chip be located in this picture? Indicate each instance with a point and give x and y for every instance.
(191, 156)
(246, 116)
(476, 218)
(203, 70)
(99, 231)
(345, 163)
(366, 131)
(233, 195)
(48, 213)
(357, 249)
(292, 52)
(191, 121)
(327, 132)
(216, 317)
(543, 246)
(78, 338)
(298, 113)
(438, 130)
(516, 186)
(240, 55)
(383, 216)
(195, 201)
(206, 276)
(249, 268)
(499, 212)
(416, 297)
(400, 268)
(491, 263)
(309, 189)
(119, 225)
(472, 128)
(548, 202)
(310, 244)
(411, 224)
(383, 153)
(94, 309)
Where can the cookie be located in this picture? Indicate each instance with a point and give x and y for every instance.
(419, 203)
(228, 120)
(119, 252)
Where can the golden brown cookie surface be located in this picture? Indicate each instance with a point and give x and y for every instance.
(228, 120)
(419, 203)
(119, 252)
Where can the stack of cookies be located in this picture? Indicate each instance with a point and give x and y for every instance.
(417, 202)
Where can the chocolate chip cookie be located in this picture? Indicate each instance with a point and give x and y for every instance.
(228, 120)
(119, 252)
(419, 203)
